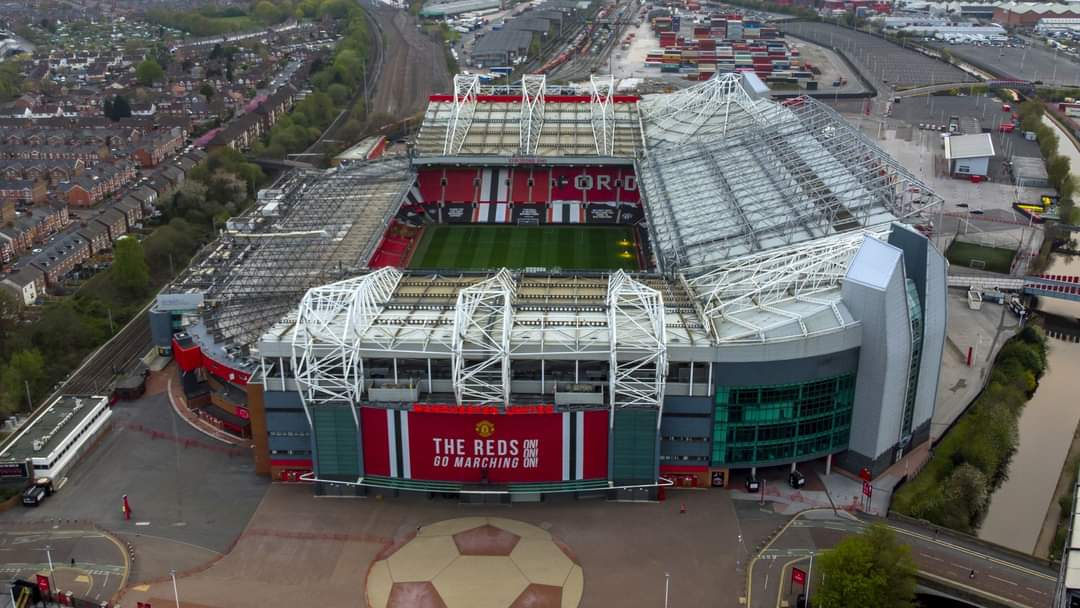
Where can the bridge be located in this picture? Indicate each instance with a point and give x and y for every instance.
(1062, 287)
(275, 164)
(945, 561)
(1020, 85)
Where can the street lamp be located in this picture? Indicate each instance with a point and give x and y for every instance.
(667, 587)
(176, 594)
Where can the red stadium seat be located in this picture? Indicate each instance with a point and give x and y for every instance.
(461, 185)
(429, 182)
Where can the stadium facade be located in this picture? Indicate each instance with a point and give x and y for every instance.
(784, 305)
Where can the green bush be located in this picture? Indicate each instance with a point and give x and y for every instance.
(972, 459)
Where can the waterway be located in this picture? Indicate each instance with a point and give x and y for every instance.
(1018, 507)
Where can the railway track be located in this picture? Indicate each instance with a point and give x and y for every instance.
(119, 356)
(371, 77)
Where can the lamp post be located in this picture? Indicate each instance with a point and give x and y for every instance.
(667, 587)
(176, 593)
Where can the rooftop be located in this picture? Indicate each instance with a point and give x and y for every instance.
(51, 427)
(728, 174)
(974, 145)
(530, 119)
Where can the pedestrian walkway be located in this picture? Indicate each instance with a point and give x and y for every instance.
(179, 405)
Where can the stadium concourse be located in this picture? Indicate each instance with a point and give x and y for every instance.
(569, 290)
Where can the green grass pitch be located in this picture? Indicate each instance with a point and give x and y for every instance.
(994, 259)
(481, 247)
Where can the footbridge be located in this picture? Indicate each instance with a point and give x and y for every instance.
(1062, 287)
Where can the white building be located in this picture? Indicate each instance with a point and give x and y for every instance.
(51, 442)
(969, 154)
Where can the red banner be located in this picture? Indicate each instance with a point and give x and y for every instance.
(798, 577)
(427, 444)
(867, 489)
(43, 584)
(477, 447)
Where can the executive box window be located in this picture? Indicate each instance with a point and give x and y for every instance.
(758, 425)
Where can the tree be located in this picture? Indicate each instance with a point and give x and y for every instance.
(25, 368)
(1057, 169)
(129, 270)
(148, 72)
(207, 91)
(871, 569)
(116, 108)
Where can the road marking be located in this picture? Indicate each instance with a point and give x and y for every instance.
(960, 566)
(931, 557)
(1002, 580)
(142, 523)
(988, 558)
(1034, 590)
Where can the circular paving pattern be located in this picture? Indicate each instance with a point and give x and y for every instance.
(476, 562)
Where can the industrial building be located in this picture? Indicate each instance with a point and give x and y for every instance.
(785, 307)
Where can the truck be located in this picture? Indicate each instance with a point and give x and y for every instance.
(954, 124)
(37, 492)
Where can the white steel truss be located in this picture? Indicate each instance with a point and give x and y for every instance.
(765, 280)
(602, 112)
(483, 322)
(466, 87)
(330, 322)
(533, 87)
(705, 108)
(638, 366)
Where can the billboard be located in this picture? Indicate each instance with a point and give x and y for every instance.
(485, 447)
(458, 213)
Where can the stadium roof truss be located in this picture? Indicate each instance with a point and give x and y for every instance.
(709, 108)
(776, 282)
(483, 320)
(331, 321)
(530, 118)
(638, 343)
(728, 175)
(602, 114)
(461, 114)
(532, 112)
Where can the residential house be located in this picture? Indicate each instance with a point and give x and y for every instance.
(96, 234)
(115, 221)
(23, 190)
(26, 284)
(60, 257)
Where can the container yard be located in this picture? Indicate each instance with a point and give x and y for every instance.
(698, 46)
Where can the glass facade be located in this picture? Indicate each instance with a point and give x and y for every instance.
(760, 425)
(915, 317)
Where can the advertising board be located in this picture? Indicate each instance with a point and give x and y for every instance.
(485, 447)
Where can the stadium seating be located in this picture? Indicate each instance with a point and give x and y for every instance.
(524, 185)
(395, 247)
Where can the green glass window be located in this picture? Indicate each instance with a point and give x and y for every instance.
(759, 425)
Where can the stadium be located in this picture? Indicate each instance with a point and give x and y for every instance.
(566, 290)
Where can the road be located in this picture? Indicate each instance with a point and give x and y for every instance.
(86, 562)
(1000, 576)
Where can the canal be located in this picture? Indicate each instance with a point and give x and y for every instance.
(1018, 508)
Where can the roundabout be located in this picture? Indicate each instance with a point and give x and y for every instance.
(476, 562)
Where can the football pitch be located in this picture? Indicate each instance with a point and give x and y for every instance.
(481, 247)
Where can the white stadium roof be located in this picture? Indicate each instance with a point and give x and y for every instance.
(726, 174)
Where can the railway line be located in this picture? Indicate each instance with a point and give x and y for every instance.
(119, 356)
